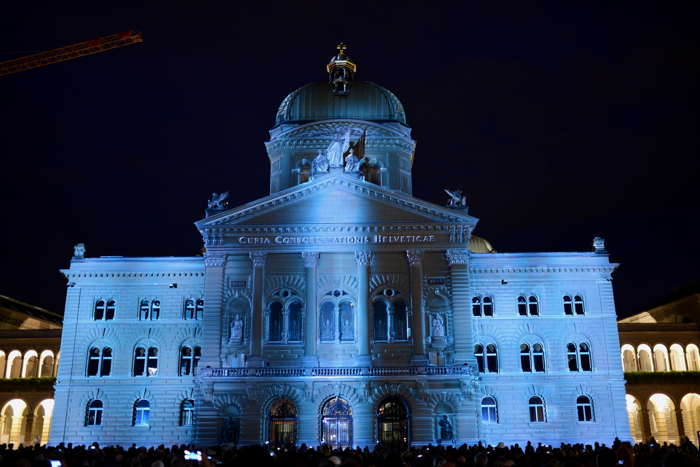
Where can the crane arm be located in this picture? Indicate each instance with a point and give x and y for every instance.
(70, 52)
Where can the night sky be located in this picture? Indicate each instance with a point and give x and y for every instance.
(560, 124)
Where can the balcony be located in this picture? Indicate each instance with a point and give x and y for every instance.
(296, 372)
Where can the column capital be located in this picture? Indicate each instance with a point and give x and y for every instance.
(457, 256)
(415, 256)
(258, 258)
(216, 260)
(310, 259)
(364, 258)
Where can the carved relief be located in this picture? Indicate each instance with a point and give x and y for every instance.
(323, 391)
(327, 282)
(393, 280)
(296, 282)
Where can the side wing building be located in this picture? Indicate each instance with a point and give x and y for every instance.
(342, 310)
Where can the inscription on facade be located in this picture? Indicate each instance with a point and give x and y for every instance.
(342, 239)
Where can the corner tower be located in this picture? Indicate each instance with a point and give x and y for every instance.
(313, 117)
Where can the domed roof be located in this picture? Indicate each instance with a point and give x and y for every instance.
(316, 101)
(480, 245)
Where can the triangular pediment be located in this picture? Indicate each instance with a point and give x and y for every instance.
(336, 199)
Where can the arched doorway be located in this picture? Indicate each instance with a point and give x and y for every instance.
(392, 421)
(282, 419)
(634, 413)
(336, 423)
(662, 418)
(42, 422)
(690, 410)
(230, 425)
(13, 422)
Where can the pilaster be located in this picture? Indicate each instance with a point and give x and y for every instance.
(364, 260)
(310, 268)
(415, 258)
(257, 259)
(458, 260)
(214, 264)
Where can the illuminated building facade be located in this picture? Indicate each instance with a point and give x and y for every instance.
(341, 309)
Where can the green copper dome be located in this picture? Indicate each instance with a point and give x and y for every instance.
(364, 101)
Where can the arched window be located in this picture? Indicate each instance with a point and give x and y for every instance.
(99, 310)
(31, 364)
(283, 422)
(155, 309)
(142, 413)
(381, 318)
(336, 423)
(144, 309)
(327, 323)
(677, 358)
(482, 306)
(284, 318)
(111, 310)
(525, 362)
(3, 364)
(14, 364)
(532, 358)
(303, 171)
(145, 361)
(644, 358)
(489, 410)
(479, 354)
(93, 414)
(275, 324)
(537, 410)
(661, 358)
(189, 309)
(573, 306)
(390, 316)
(629, 358)
(584, 408)
(528, 306)
(193, 309)
(187, 412)
(189, 359)
(347, 330)
(579, 357)
(692, 355)
(491, 358)
(392, 417)
(99, 362)
(399, 321)
(337, 317)
(149, 310)
(294, 322)
(488, 306)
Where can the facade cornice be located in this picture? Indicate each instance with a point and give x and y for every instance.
(456, 256)
(543, 269)
(330, 128)
(125, 274)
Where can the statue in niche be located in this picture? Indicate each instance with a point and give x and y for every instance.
(327, 329)
(320, 163)
(445, 428)
(236, 329)
(438, 326)
(218, 200)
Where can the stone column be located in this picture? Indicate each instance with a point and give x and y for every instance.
(646, 423)
(364, 259)
(310, 267)
(680, 423)
(458, 259)
(257, 259)
(418, 325)
(212, 332)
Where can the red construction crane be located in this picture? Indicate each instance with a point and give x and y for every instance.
(70, 52)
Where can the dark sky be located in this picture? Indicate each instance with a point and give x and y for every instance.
(560, 123)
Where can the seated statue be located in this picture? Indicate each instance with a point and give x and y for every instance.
(320, 163)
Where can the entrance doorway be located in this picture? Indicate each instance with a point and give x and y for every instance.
(336, 423)
(392, 418)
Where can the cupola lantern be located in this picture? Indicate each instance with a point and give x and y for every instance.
(341, 71)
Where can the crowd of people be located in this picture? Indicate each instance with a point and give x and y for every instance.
(619, 453)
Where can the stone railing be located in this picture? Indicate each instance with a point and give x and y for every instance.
(275, 372)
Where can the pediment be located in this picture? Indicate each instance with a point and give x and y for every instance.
(336, 199)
